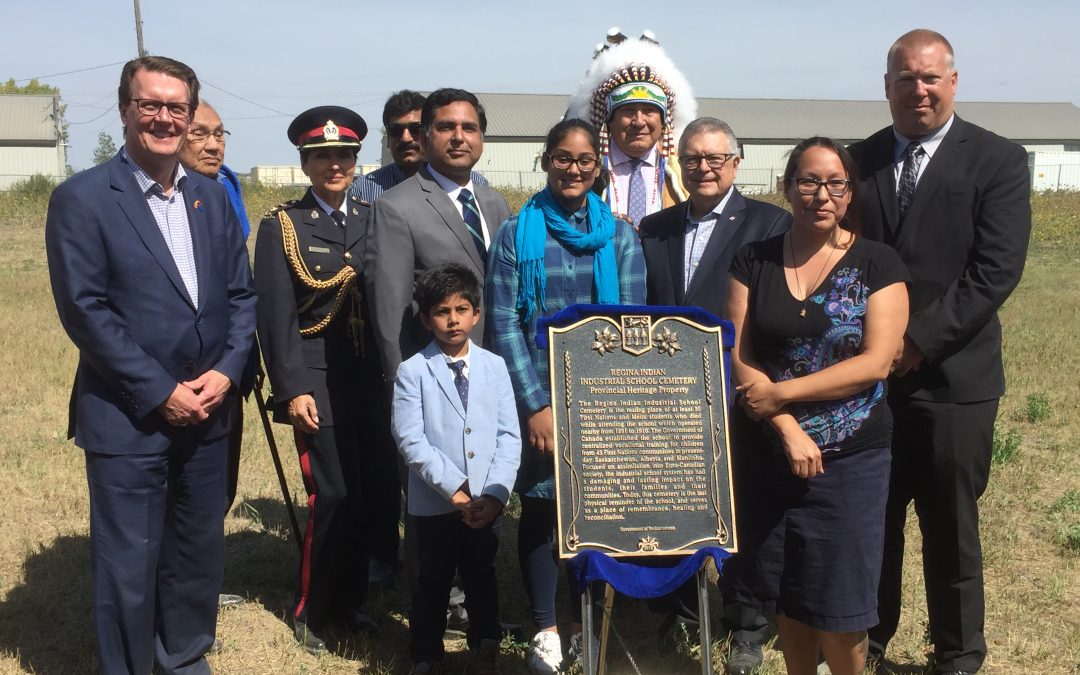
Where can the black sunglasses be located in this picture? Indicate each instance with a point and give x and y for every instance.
(395, 130)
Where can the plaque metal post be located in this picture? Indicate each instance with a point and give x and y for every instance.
(703, 619)
(587, 661)
(605, 626)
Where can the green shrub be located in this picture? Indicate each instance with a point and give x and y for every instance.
(26, 202)
(1055, 216)
(1006, 446)
(1037, 407)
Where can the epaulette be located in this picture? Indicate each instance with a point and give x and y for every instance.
(361, 202)
(283, 205)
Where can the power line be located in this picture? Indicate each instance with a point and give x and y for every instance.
(69, 72)
(245, 100)
(107, 111)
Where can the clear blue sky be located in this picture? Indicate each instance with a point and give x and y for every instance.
(285, 57)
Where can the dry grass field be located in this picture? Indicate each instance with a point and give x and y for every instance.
(1031, 511)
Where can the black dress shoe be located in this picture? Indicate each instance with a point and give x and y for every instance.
(359, 621)
(308, 639)
(743, 658)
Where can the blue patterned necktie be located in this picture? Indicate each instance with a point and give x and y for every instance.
(636, 200)
(460, 381)
(470, 213)
(909, 175)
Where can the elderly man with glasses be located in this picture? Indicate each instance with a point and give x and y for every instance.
(401, 124)
(688, 250)
(202, 150)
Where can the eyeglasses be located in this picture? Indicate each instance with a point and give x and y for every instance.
(837, 187)
(150, 107)
(714, 162)
(202, 135)
(585, 164)
(395, 130)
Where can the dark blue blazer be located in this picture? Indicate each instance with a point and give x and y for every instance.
(663, 235)
(122, 301)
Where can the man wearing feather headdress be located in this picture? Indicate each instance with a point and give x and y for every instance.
(640, 102)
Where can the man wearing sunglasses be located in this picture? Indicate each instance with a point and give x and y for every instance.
(401, 122)
(688, 249)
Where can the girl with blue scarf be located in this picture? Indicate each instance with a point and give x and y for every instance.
(563, 248)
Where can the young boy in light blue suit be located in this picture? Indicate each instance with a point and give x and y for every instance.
(456, 425)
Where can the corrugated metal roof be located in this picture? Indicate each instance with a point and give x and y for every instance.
(531, 115)
(26, 117)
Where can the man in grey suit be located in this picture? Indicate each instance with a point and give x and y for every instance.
(437, 216)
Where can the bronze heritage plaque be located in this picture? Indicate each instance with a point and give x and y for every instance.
(641, 443)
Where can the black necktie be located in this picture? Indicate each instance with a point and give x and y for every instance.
(338, 217)
(460, 381)
(470, 213)
(909, 175)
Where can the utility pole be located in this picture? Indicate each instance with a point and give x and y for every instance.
(138, 29)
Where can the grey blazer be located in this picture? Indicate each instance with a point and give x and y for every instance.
(417, 227)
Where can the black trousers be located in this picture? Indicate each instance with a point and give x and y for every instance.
(445, 543)
(232, 459)
(334, 561)
(941, 461)
(744, 622)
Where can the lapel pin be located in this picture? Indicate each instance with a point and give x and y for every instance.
(314, 214)
(354, 211)
(197, 205)
(731, 217)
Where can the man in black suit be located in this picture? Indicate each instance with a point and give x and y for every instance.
(688, 249)
(954, 200)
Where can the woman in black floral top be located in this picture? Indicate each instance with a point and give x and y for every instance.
(819, 314)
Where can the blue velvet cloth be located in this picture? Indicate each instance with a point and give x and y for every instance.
(636, 581)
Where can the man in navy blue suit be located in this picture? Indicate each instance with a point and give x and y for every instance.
(151, 280)
(688, 250)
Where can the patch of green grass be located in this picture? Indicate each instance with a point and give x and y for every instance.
(1067, 535)
(1067, 503)
(1037, 407)
(1006, 446)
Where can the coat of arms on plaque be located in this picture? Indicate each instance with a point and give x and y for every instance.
(637, 334)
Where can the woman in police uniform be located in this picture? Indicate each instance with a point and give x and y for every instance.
(324, 370)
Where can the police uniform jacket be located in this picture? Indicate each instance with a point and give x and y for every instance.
(340, 372)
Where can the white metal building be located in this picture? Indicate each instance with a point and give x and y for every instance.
(767, 130)
(30, 141)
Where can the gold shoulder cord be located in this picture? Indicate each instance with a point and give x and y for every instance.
(344, 282)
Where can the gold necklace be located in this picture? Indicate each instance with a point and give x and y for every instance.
(795, 269)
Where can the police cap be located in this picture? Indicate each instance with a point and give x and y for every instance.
(327, 126)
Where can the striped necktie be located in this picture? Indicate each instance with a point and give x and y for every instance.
(909, 176)
(470, 213)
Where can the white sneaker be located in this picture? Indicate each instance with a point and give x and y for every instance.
(545, 653)
(577, 650)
